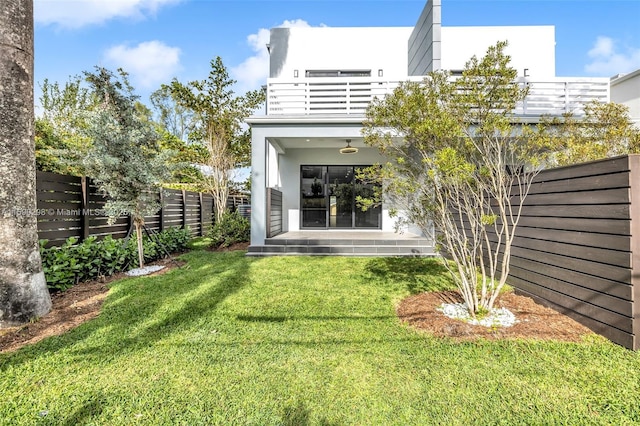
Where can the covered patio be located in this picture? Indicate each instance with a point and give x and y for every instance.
(345, 243)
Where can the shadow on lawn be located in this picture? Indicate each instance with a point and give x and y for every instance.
(300, 415)
(419, 274)
(283, 318)
(130, 317)
(89, 410)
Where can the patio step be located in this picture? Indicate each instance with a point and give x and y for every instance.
(342, 247)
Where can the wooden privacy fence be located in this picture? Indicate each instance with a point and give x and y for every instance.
(71, 206)
(577, 246)
(274, 212)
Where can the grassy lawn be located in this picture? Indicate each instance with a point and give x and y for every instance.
(301, 340)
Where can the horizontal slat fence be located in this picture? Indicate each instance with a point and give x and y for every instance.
(274, 212)
(71, 206)
(577, 246)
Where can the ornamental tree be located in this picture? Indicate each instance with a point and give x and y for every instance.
(218, 117)
(605, 130)
(462, 164)
(125, 160)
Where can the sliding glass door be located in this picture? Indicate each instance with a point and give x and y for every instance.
(313, 203)
(328, 199)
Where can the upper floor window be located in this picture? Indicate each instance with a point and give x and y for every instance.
(338, 73)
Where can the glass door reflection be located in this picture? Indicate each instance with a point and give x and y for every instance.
(314, 202)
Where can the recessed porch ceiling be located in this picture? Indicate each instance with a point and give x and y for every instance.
(317, 142)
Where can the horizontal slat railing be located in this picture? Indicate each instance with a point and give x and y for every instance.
(352, 95)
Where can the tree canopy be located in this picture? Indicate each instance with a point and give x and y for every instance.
(605, 130)
(460, 162)
(60, 140)
(218, 124)
(125, 159)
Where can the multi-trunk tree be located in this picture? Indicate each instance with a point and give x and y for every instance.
(23, 290)
(218, 124)
(460, 163)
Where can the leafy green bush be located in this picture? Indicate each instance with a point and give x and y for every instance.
(74, 262)
(232, 229)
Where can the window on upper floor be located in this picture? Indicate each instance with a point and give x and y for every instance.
(338, 73)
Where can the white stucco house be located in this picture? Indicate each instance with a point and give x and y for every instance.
(625, 90)
(320, 83)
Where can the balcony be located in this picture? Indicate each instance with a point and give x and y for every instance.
(352, 95)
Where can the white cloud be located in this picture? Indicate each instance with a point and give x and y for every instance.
(253, 71)
(607, 59)
(79, 13)
(149, 63)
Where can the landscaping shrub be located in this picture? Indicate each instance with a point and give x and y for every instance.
(232, 229)
(74, 262)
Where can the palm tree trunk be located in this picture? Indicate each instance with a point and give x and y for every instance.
(23, 289)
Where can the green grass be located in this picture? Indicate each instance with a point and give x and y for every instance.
(233, 340)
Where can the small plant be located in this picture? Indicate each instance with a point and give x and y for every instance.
(75, 262)
(232, 229)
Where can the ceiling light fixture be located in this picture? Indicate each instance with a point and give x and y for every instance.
(348, 149)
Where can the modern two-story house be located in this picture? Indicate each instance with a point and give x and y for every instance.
(307, 148)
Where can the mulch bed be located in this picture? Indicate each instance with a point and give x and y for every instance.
(535, 322)
(70, 308)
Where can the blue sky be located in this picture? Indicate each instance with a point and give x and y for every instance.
(156, 40)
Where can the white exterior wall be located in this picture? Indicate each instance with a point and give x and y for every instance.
(290, 172)
(625, 90)
(531, 47)
(328, 48)
(424, 42)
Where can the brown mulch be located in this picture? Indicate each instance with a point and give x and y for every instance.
(535, 322)
(70, 308)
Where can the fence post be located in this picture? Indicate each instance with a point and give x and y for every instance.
(184, 209)
(201, 214)
(84, 209)
(161, 212)
(634, 242)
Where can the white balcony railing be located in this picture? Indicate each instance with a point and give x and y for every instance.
(352, 95)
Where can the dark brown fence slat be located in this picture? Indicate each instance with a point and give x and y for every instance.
(611, 165)
(65, 187)
(607, 196)
(585, 183)
(610, 272)
(615, 335)
(579, 306)
(598, 284)
(589, 211)
(47, 177)
(603, 300)
(613, 242)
